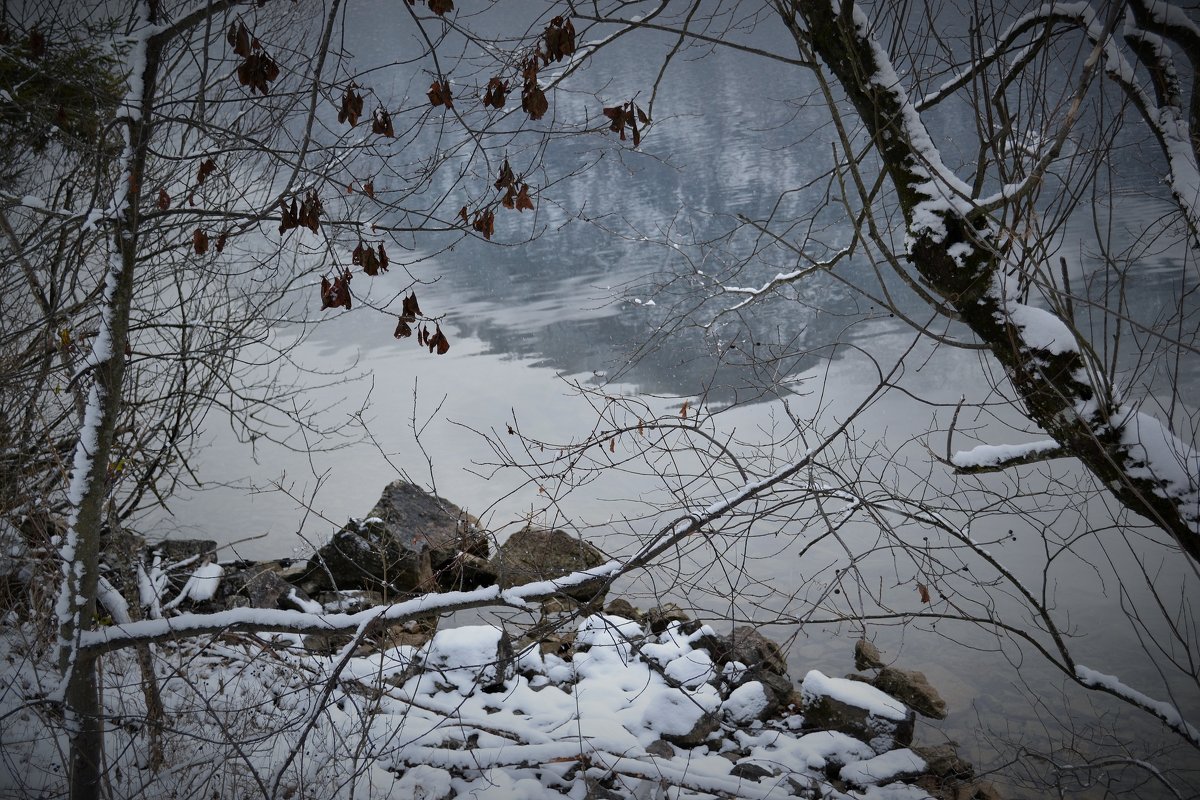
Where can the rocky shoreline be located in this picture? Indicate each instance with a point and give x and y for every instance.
(737, 682)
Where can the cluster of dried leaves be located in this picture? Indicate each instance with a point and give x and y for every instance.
(336, 293)
(306, 214)
(439, 7)
(440, 95)
(207, 167)
(258, 69)
(483, 222)
(559, 38)
(381, 123)
(533, 99)
(514, 197)
(372, 260)
(496, 93)
(628, 115)
(36, 43)
(351, 110)
(352, 106)
(200, 241)
(409, 312)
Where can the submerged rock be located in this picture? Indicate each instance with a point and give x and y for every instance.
(912, 688)
(943, 761)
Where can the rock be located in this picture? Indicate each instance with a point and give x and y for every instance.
(407, 538)
(913, 689)
(596, 790)
(866, 656)
(623, 608)
(747, 645)
(174, 551)
(551, 642)
(749, 771)
(661, 748)
(705, 726)
(266, 588)
(465, 571)
(943, 761)
(891, 766)
(750, 702)
(349, 601)
(659, 618)
(856, 709)
(327, 644)
(412, 633)
(418, 519)
(533, 554)
(979, 790)
(469, 658)
(779, 687)
(367, 556)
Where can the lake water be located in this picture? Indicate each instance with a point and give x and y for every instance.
(532, 327)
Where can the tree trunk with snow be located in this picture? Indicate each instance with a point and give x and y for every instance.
(90, 476)
(953, 244)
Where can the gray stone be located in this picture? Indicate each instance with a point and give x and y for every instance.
(464, 572)
(866, 655)
(596, 790)
(659, 618)
(491, 665)
(367, 556)
(913, 689)
(623, 608)
(418, 519)
(749, 771)
(943, 761)
(349, 601)
(413, 633)
(175, 550)
(747, 645)
(408, 539)
(266, 588)
(533, 554)
(705, 726)
(979, 790)
(779, 687)
(661, 748)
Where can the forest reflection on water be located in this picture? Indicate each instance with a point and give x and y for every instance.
(622, 313)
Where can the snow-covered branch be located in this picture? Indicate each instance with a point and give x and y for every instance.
(275, 620)
(995, 458)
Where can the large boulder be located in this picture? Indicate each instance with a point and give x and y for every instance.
(366, 555)
(419, 519)
(407, 542)
(534, 554)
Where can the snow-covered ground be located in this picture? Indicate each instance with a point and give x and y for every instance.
(466, 715)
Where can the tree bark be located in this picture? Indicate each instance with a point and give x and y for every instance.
(1086, 420)
(81, 550)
